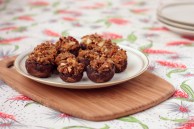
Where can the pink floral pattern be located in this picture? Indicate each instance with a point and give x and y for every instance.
(26, 23)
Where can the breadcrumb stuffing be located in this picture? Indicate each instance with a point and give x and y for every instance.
(44, 53)
(102, 64)
(87, 54)
(119, 58)
(67, 44)
(70, 66)
(63, 56)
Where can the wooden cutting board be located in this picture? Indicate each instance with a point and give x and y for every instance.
(138, 94)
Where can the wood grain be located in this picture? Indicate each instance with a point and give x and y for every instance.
(138, 94)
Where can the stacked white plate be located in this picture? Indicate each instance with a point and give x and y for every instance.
(178, 17)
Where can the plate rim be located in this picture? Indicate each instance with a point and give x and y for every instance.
(177, 25)
(178, 29)
(159, 12)
(83, 86)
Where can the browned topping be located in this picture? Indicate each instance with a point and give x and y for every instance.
(106, 51)
(119, 58)
(44, 53)
(63, 56)
(102, 64)
(70, 66)
(67, 44)
(87, 54)
(93, 38)
(92, 41)
(110, 45)
(102, 46)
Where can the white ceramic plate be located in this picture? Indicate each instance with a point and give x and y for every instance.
(182, 13)
(137, 64)
(178, 30)
(175, 24)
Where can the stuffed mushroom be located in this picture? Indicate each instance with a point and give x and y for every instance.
(100, 70)
(70, 70)
(85, 56)
(91, 41)
(68, 44)
(63, 56)
(40, 63)
(120, 60)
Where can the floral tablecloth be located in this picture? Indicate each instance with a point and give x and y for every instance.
(26, 23)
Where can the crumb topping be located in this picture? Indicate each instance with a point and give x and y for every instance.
(107, 51)
(87, 54)
(110, 45)
(102, 64)
(63, 56)
(92, 41)
(95, 41)
(93, 38)
(44, 53)
(119, 58)
(67, 44)
(70, 66)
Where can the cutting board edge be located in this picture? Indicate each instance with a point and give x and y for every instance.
(131, 112)
(96, 118)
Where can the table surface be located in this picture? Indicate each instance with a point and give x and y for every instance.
(24, 24)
